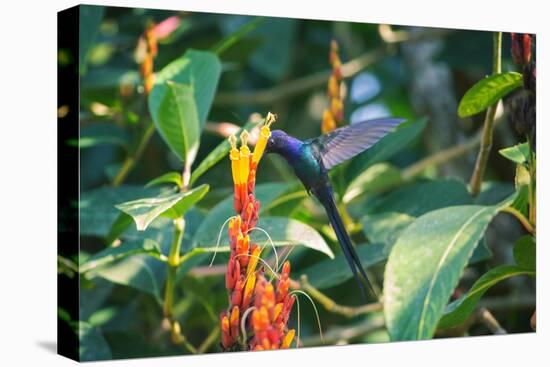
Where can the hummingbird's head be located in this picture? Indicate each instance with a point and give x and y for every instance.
(276, 142)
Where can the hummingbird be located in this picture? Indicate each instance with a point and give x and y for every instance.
(313, 158)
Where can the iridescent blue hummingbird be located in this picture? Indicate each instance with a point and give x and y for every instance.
(313, 158)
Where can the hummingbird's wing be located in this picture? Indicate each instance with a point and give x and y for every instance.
(346, 142)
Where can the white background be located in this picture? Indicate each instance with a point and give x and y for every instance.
(28, 182)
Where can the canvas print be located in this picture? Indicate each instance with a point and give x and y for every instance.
(248, 183)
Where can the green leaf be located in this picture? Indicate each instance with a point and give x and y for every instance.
(122, 222)
(457, 312)
(385, 227)
(282, 231)
(111, 254)
(387, 147)
(177, 121)
(525, 252)
(218, 215)
(170, 177)
(518, 153)
(331, 272)
(425, 266)
(199, 69)
(92, 344)
(97, 207)
(216, 155)
(141, 272)
(375, 179)
(89, 22)
(487, 92)
(423, 197)
(144, 211)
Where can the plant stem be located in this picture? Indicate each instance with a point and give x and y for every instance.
(488, 126)
(487, 318)
(331, 306)
(131, 160)
(210, 339)
(524, 221)
(173, 263)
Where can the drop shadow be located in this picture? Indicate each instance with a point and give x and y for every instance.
(48, 345)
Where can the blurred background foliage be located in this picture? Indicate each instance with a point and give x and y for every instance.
(281, 65)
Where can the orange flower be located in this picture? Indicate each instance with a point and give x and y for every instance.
(333, 116)
(249, 290)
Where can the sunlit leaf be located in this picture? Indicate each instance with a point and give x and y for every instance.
(199, 69)
(518, 153)
(97, 207)
(144, 211)
(425, 266)
(487, 92)
(458, 311)
(177, 121)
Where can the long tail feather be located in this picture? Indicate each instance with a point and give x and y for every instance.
(326, 197)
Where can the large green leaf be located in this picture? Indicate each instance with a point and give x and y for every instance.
(385, 227)
(111, 254)
(487, 92)
(525, 252)
(375, 179)
(177, 121)
(518, 153)
(423, 197)
(282, 232)
(458, 311)
(90, 19)
(387, 147)
(425, 266)
(199, 69)
(141, 272)
(144, 211)
(218, 215)
(92, 344)
(331, 272)
(217, 154)
(97, 207)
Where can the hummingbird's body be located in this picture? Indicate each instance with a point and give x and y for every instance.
(313, 158)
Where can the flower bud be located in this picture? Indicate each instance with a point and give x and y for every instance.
(249, 287)
(234, 323)
(521, 48)
(288, 339)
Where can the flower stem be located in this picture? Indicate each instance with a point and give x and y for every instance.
(488, 126)
(173, 263)
(524, 221)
